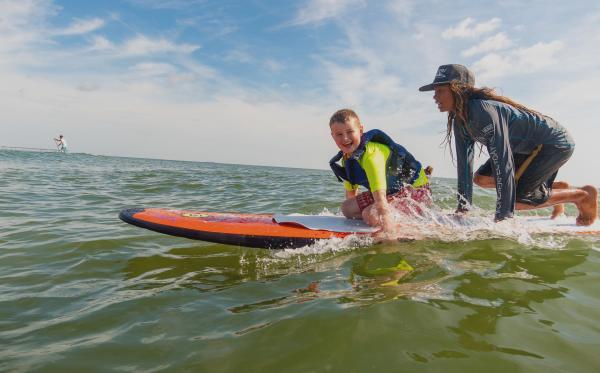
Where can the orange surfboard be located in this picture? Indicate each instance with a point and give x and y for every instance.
(250, 230)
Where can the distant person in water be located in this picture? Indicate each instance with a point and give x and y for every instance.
(61, 144)
(372, 159)
(526, 148)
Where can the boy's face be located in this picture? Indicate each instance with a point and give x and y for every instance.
(347, 135)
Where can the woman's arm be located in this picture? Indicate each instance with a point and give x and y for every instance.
(493, 124)
(464, 145)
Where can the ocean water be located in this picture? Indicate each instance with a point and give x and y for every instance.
(81, 290)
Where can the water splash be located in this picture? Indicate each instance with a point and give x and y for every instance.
(435, 223)
(438, 224)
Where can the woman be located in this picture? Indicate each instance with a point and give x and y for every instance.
(526, 148)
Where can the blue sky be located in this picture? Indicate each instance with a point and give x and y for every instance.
(255, 81)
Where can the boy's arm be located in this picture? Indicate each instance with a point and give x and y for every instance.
(374, 164)
(383, 210)
(351, 190)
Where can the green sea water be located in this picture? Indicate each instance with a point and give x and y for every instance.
(82, 291)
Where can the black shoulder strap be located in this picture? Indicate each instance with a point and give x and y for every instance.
(338, 170)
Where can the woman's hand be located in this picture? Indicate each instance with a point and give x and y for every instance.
(461, 210)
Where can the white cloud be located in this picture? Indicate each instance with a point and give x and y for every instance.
(142, 45)
(347, 83)
(273, 65)
(22, 23)
(167, 4)
(316, 11)
(81, 26)
(403, 9)
(147, 69)
(364, 87)
(493, 43)
(88, 86)
(100, 43)
(20, 14)
(518, 61)
(468, 29)
(238, 56)
(202, 71)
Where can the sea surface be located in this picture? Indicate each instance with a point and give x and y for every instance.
(82, 291)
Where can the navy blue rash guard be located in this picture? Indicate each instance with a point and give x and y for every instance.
(504, 130)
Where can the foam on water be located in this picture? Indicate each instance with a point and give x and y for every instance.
(434, 223)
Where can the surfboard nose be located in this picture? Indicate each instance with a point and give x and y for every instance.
(127, 215)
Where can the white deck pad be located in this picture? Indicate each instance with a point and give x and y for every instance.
(562, 224)
(326, 223)
(533, 224)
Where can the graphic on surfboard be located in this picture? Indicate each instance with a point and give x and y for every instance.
(284, 231)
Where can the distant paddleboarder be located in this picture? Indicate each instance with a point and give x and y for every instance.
(526, 148)
(61, 144)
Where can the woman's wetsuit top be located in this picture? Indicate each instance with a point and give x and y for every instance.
(504, 130)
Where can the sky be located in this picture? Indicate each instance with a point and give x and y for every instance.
(255, 81)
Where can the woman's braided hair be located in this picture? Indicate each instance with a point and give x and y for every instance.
(462, 93)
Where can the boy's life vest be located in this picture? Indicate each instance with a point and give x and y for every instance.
(401, 167)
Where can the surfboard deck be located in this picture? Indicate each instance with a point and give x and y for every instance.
(291, 231)
(562, 224)
(250, 230)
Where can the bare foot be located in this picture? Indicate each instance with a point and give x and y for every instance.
(588, 207)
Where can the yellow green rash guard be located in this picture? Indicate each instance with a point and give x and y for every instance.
(374, 162)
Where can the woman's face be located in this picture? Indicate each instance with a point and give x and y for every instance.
(443, 98)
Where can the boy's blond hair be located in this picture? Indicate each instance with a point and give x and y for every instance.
(341, 116)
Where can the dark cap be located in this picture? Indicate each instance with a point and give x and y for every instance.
(447, 73)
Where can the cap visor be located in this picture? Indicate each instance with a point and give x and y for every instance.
(431, 87)
(428, 87)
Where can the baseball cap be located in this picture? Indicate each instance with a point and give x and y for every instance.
(447, 73)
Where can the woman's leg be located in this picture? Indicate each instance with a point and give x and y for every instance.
(534, 189)
(585, 198)
(560, 208)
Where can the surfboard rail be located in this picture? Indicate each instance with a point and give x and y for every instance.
(249, 230)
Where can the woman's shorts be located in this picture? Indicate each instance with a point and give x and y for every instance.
(400, 200)
(535, 185)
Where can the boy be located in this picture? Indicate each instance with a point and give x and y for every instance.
(372, 159)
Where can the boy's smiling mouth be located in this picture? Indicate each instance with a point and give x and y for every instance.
(349, 146)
